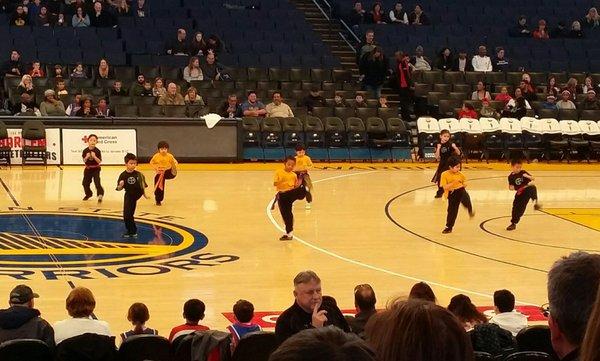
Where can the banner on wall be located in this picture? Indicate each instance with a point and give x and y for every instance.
(113, 143)
(16, 142)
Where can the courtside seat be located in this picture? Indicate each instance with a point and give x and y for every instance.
(357, 139)
(252, 139)
(512, 135)
(145, 347)
(293, 134)
(572, 133)
(379, 142)
(314, 135)
(272, 139)
(400, 137)
(452, 125)
(336, 139)
(532, 138)
(472, 136)
(428, 131)
(552, 138)
(5, 150)
(591, 132)
(493, 140)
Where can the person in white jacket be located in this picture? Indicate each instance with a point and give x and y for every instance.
(482, 62)
(506, 316)
(398, 15)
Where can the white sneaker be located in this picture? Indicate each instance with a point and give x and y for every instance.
(307, 206)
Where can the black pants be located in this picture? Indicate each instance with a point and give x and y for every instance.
(406, 102)
(159, 193)
(90, 174)
(285, 202)
(129, 204)
(520, 203)
(455, 199)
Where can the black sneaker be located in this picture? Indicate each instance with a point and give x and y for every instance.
(285, 237)
(447, 230)
(438, 195)
(512, 227)
(158, 203)
(100, 198)
(471, 214)
(86, 198)
(537, 207)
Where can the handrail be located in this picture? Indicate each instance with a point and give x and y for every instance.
(330, 19)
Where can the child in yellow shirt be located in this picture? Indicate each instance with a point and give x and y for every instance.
(165, 165)
(454, 182)
(303, 164)
(289, 189)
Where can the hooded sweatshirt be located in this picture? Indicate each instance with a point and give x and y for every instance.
(20, 322)
(513, 321)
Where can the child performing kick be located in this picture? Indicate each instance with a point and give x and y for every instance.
(303, 164)
(521, 181)
(454, 182)
(165, 166)
(134, 184)
(92, 157)
(290, 189)
(443, 151)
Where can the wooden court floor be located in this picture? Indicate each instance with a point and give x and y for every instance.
(214, 237)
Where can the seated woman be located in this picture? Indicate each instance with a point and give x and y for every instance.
(36, 70)
(445, 60)
(551, 87)
(503, 96)
(418, 17)
(481, 93)
(102, 110)
(193, 71)
(51, 106)
(542, 31)
(138, 315)
(104, 71)
(193, 98)
(26, 85)
(80, 306)
(79, 72)
(159, 90)
(466, 312)
(87, 109)
(80, 19)
(377, 15)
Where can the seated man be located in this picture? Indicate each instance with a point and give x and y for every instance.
(278, 108)
(506, 316)
(364, 301)
(173, 97)
(231, 108)
(253, 107)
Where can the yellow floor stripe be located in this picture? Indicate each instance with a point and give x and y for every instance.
(588, 217)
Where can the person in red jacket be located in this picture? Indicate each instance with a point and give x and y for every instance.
(467, 111)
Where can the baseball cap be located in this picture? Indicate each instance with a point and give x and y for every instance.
(22, 294)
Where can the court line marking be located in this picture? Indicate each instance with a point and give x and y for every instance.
(9, 193)
(366, 265)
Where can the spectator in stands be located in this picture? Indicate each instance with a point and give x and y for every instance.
(323, 344)
(576, 32)
(366, 46)
(445, 60)
(179, 46)
(198, 45)
(78, 72)
(551, 87)
(193, 313)
(58, 71)
(87, 109)
(462, 307)
(560, 31)
(210, 68)
(140, 10)
(418, 330)
(19, 17)
(147, 90)
(158, 90)
(14, 66)
(138, 315)
(61, 88)
(193, 98)
(501, 63)
(80, 18)
(80, 306)
(102, 109)
(122, 8)
(377, 15)
(74, 107)
(403, 75)
(482, 62)
(487, 110)
(397, 15)
(42, 18)
(359, 101)
(467, 111)
(117, 89)
(503, 96)
(419, 61)
(278, 108)
(462, 63)
(213, 44)
(591, 20)
(542, 31)
(357, 16)
(104, 71)
(51, 106)
(137, 88)
(26, 85)
(193, 71)
(60, 21)
(313, 99)
(521, 30)
(565, 101)
(588, 85)
(480, 93)
(33, 9)
(244, 312)
(339, 101)
(309, 309)
(172, 96)
(22, 321)
(550, 103)
(253, 107)
(374, 68)
(590, 102)
(26, 106)
(527, 88)
(418, 17)
(364, 302)
(506, 316)
(422, 291)
(572, 287)
(36, 70)
(516, 107)
(231, 108)
(100, 17)
(382, 102)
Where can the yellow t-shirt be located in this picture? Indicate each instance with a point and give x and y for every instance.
(284, 181)
(162, 162)
(450, 177)
(303, 163)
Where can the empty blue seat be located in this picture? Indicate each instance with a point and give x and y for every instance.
(116, 58)
(135, 47)
(70, 56)
(113, 46)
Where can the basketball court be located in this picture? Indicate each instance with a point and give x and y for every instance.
(215, 238)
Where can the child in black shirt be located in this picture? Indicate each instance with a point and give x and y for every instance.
(134, 184)
(443, 151)
(521, 181)
(92, 157)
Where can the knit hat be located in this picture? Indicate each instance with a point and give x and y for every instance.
(49, 92)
